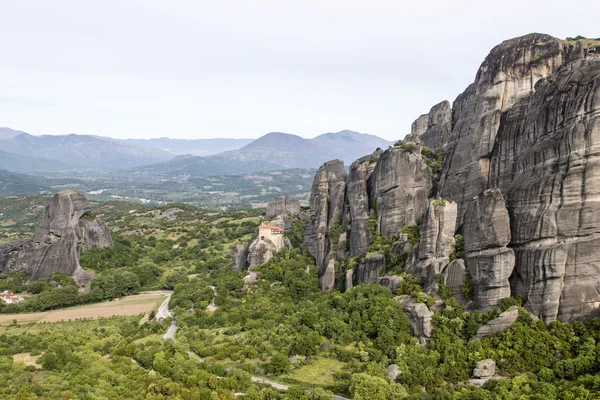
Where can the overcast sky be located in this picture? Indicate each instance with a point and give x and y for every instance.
(222, 68)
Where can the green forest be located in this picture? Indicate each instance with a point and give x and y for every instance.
(282, 327)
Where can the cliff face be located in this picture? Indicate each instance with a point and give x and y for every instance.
(326, 204)
(521, 162)
(58, 241)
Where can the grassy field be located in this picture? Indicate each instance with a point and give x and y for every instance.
(126, 306)
(319, 372)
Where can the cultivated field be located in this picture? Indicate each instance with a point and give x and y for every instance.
(126, 306)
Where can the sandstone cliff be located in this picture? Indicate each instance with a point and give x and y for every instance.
(58, 241)
(520, 162)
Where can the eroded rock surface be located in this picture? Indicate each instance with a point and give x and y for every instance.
(240, 257)
(402, 182)
(326, 203)
(432, 254)
(435, 128)
(419, 317)
(490, 262)
(283, 205)
(500, 324)
(58, 241)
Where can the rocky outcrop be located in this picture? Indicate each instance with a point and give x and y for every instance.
(500, 324)
(60, 238)
(391, 282)
(419, 317)
(359, 208)
(393, 372)
(490, 262)
(402, 183)
(240, 257)
(328, 278)
(283, 205)
(368, 269)
(326, 203)
(260, 252)
(435, 128)
(507, 76)
(483, 372)
(437, 242)
(529, 128)
(454, 276)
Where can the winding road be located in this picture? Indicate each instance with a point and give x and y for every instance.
(163, 312)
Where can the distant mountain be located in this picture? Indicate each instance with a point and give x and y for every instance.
(293, 151)
(272, 151)
(195, 147)
(25, 164)
(7, 133)
(83, 151)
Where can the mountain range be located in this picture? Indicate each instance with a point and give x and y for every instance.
(272, 151)
(26, 153)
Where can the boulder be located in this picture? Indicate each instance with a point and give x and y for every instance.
(391, 282)
(500, 324)
(393, 372)
(490, 262)
(485, 369)
(419, 317)
(59, 239)
(283, 205)
(240, 257)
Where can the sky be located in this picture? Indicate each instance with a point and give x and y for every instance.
(241, 69)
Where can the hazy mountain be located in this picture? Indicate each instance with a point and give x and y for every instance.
(7, 133)
(196, 147)
(21, 163)
(272, 151)
(294, 151)
(83, 151)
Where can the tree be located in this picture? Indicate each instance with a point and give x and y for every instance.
(366, 387)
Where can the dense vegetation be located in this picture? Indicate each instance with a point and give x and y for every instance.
(282, 327)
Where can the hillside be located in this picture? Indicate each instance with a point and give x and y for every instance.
(83, 151)
(272, 151)
(196, 147)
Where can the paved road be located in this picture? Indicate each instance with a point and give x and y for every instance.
(171, 332)
(164, 309)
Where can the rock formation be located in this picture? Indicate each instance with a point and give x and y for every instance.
(523, 140)
(483, 372)
(454, 276)
(240, 257)
(359, 209)
(283, 205)
(437, 242)
(402, 183)
(434, 128)
(326, 204)
(368, 269)
(269, 241)
(393, 372)
(419, 317)
(490, 262)
(391, 282)
(500, 324)
(58, 241)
